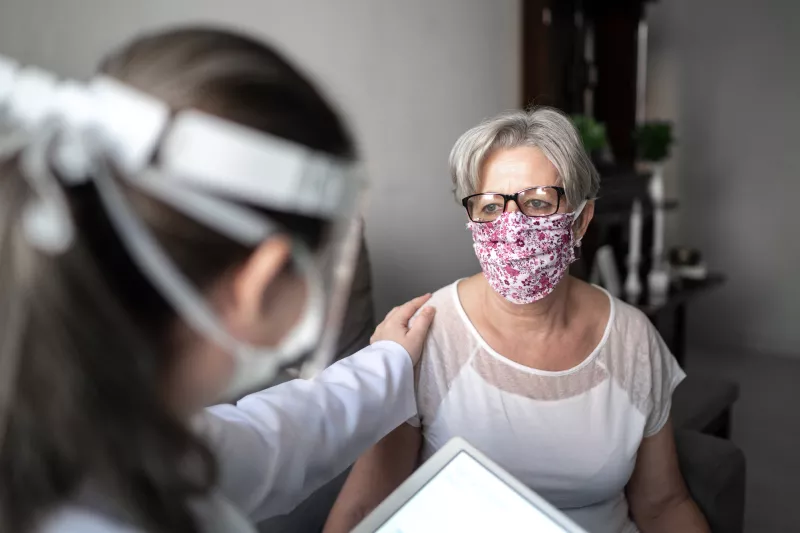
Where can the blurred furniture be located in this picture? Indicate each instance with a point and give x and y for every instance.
(610, 226)
(669, 317)
(704, 404)
(714, 470)
(581, 56)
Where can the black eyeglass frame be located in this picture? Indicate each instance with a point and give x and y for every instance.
(508, 197)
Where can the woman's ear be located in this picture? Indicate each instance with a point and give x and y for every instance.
(582, 224)
(263, 267)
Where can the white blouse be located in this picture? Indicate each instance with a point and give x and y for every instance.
(571, 436)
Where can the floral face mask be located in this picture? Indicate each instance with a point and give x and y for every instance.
(524, 258)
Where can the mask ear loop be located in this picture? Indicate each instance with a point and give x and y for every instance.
(46, 220)
(577, 248)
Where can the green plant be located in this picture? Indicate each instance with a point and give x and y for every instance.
(653, 141)
(593, 133)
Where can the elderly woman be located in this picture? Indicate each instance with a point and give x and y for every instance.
(564, 386)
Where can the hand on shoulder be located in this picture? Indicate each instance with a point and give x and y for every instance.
(395, 327)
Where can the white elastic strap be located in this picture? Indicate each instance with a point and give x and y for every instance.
(76, 118)
(46, 220)
(231, 220)
(577, 213)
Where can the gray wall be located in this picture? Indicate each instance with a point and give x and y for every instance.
(411, 76)
(728, 72)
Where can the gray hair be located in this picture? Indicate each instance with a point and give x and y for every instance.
(543, 127)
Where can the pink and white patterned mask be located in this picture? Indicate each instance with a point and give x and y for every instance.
(524, 258)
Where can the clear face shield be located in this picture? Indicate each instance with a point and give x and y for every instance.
(213, 171)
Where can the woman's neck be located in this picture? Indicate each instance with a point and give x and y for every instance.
(542, 317)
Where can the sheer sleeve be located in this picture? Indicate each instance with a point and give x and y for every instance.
(666, 375)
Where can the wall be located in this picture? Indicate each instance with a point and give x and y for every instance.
(727, 71)
(411, 76)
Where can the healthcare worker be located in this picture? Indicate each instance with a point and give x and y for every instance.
(173, 234)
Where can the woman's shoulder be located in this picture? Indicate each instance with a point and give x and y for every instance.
(640, 362)
(449, 327)
(631, 343)
(445, 296)
(445, 300)
(630, 316)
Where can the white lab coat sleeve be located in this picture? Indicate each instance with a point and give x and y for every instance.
(278, 446)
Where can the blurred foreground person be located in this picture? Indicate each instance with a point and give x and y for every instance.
(174, 234)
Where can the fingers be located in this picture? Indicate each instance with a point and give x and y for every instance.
(419, 329)
(395, 326)
(407, 310)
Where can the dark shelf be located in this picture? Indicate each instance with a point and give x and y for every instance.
(679, 295)
(619, 213)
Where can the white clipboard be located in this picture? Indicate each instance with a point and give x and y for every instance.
(460, 489)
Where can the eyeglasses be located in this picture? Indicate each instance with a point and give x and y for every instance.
(534, 202)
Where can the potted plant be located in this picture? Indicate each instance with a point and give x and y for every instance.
(653, 141)
(593, 135)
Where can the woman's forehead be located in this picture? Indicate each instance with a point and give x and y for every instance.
(513, 169)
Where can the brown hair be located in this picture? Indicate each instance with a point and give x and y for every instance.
(86, 404)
